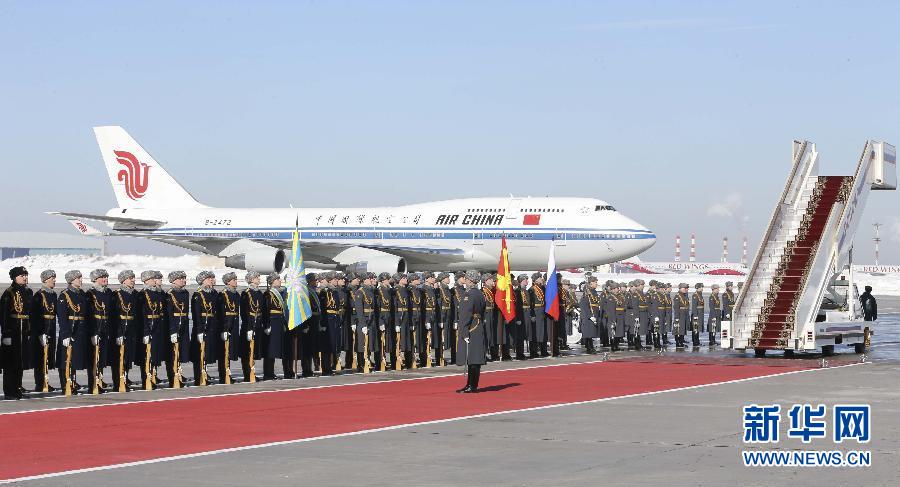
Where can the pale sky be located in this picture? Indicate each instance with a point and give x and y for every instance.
(679, 114)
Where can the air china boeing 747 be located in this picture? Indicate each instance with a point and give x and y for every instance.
(452, 234)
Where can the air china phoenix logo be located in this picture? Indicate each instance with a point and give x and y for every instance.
(135, 174)
(81, 227)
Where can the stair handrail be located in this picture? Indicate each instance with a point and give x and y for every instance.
(799, 159)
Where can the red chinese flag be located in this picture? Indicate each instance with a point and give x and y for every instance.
(532, 220)
(503, 294)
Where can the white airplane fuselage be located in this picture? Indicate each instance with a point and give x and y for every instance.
(453, 234)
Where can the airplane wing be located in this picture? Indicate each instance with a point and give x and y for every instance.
(136, 222)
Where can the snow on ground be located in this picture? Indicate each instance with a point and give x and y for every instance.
(883, 284)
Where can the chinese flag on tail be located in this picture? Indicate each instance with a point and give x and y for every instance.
(503, 295)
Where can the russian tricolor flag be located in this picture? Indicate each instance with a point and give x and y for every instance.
(551, 307)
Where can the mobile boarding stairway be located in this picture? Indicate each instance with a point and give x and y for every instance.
(799, 293)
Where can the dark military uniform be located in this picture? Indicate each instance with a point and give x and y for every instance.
(126, 323)
(275, 321)
(43, 322)
(631, 317)
(329, 337)
(681, 315)
(345, 297)
(728, 301)
(403, 320)
(714, 323)
(538, 332)
(416, 325)
(308, 336)
(657, 317)
(71, 312)
(604, 316)
(589, 321)
(698, 307)
(519, 331)
(228, 314)
(252, 323)
(203, 312)
(385, 308)
(471, 326)
(152, 315)
(456, 298)
(100, 308)
(15, 322)
(178, 323)
(444, 327)
(669, 315)
(491, 321)
(366, 324)
(431, 330)
(616, 317)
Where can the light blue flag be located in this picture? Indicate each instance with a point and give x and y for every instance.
(298, 293)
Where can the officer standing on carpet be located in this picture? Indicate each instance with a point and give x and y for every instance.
(589, 315)
(681, 313)
(71, 312)
(698, 310)
(229, 327)
(728, 301)
(178, 321)
(471, 346)
(714, 323)
(522, 323)
(100, 306)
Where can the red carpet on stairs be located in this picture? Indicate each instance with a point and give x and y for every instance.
(43, 442)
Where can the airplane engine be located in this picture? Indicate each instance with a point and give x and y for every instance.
(378, 264)
(264, 260)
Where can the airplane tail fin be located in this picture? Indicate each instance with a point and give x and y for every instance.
(137, 179)
(84, 228)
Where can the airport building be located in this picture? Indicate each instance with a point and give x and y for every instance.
(22, 244)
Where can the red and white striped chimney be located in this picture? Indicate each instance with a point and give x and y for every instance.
(677, 248)
(744, 252)
(724, 249)
(693, 257)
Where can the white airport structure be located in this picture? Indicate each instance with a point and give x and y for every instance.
(800, 294)
(24, 244)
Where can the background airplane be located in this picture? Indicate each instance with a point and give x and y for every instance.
(452, 234)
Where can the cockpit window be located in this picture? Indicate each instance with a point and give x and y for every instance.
(604, 208)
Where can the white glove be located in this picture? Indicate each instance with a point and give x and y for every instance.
(66, 342)
(173, 337)
(199, 337)
(727, 317)
(518, 323)
(146, 340)
(427, 326)
(466, 339)
(268, 330)
(7, 341)
(455, 325)
(353, 328)
(365, 330)
(656, 320)
(120, 341)
(594, 319)
(381, 327)
(636, 321)
(43, 340)
(94, 340)
(224, 336)
(441, 326)
(249, 335)
(321, 328)
(396, 329)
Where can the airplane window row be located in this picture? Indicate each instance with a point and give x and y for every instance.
(483, 210)
(542, 210)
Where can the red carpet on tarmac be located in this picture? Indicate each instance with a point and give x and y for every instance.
(44, 442)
